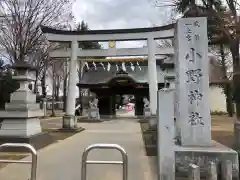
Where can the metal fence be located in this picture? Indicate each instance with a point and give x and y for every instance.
(223, 171)
(28, 148)
(124, 161)
(85, 160)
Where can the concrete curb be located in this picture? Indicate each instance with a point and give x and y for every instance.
(50, 118)
(57, 117)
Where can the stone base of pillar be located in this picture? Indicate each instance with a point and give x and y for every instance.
(152, 121)
(103, 118)
(20, 127)
(147, 112)
(93, 114)
(69, 122)
(44, 106)
(217, 153)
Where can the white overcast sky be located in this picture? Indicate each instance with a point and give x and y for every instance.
(120, 14)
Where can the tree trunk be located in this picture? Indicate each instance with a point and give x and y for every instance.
(53, 100)
(65, 81)
(2, 103)
(43, 84)
(65, 94)
(227, 89)
(80, 101)
(57, 88)
(80, 89)
(53, 91)
(35, 88)
(236, 75)
(234, 47)
(229, 99)
(236, 82)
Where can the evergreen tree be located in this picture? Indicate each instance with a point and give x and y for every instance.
(7, 84)
(83, 26)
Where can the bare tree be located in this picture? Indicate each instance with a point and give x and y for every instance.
(20, 34)
(57, 74)
(224, 61)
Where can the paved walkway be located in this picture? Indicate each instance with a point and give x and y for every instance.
(62, 161)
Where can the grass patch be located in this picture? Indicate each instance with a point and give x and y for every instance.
(222, 132)
(55, 134)
(224, 137)
(59, 135)
(10, 156)
(218, 113)
(144, 126)
(148, 136)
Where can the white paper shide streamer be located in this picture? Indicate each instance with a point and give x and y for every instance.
(95, 67)
(132, 66)
(123, 66)
(103, 66)
(108, 66)
(139, 66)
(117, 67)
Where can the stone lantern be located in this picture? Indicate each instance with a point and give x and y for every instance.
(21, 116)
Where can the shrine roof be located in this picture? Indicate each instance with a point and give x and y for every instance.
(101, 76)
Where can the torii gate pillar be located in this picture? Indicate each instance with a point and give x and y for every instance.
(152, 75)
(69, 120)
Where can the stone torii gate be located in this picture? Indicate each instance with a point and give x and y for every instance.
(74, 37)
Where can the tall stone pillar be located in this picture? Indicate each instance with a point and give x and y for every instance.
(192, 82)
(152, 75)
(69, 120)
(165, 134)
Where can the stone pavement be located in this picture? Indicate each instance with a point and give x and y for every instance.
(62, 161)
